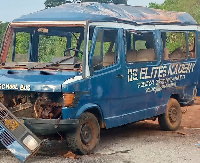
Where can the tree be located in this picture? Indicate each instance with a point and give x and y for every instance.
(53, 3)
(155, 5)
(189, 6)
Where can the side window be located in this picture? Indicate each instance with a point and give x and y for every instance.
(174, 45)
(140, 47)
(192, 44)
(106, 50)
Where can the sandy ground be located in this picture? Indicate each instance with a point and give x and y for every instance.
(140, 142)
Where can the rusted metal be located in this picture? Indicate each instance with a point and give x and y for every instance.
(6, 43)
(46, 109)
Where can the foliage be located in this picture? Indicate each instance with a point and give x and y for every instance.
(175, 40)
(155, 5)
(3, 27)
(22, 43)
(53, 3)
(51, 46)
(189, 6)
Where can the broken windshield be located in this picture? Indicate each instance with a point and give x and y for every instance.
(46, 47)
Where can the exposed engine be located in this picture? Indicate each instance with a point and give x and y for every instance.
(33, 105)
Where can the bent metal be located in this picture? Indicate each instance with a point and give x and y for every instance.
(107, 65)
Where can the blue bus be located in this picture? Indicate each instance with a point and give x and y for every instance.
(77, 68)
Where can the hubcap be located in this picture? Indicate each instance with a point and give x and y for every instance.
(86, 133)
(173, 114)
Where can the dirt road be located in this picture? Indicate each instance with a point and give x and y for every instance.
(140, 142)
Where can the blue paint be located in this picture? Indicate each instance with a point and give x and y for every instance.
(120, 101)
(112, 90)
(14, 147)
(37, 81)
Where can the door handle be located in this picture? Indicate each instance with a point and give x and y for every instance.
(119, 76)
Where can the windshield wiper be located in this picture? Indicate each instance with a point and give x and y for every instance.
(45, 65)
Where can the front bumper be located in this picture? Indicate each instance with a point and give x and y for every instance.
(50, 126)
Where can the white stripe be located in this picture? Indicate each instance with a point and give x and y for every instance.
(87, 70)
(135, 112)
(71, 80)
(145, 27)
(48, 23)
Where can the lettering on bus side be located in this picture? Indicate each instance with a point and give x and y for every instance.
(21, 87)
(156, 78)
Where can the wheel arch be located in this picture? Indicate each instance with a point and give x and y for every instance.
(94, 109)
(175, 96)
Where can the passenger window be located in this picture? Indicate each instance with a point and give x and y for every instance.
(174, 45)
(140, 47)
(105, 52)
(192, 46)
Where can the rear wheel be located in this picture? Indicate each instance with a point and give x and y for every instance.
(171, 120)
(87, 135)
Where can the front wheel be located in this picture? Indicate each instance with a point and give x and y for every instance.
(171, 120)
(87, 135)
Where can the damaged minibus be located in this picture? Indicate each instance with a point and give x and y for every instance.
(88, 66)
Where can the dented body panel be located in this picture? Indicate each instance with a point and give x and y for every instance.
(108, 13)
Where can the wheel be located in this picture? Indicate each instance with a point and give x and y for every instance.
(171, 120)
(87, 135)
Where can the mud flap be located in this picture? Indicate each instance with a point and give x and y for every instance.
(16, 137)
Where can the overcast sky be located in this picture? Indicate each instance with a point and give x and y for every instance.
(11, 9)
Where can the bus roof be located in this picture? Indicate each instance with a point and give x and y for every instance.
(96, 12)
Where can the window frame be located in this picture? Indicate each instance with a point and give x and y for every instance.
(187, 45)
(92, 49)
(156, 49)
(195, 44)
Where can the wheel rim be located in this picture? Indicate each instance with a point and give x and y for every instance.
(173, 115)
(86, 133)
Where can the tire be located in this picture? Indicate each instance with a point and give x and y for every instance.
(1, 146)
(86, 136)
(171, 120)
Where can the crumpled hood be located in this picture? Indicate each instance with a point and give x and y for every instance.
(39, 81)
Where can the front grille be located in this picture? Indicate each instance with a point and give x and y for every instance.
(12, 134)
(6, 138)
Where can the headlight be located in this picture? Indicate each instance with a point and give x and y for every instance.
(68, 99)
(30, 142)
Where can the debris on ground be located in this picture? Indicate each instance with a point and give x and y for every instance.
(71, 155)
(181, 133)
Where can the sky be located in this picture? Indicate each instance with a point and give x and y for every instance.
(11, 9)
